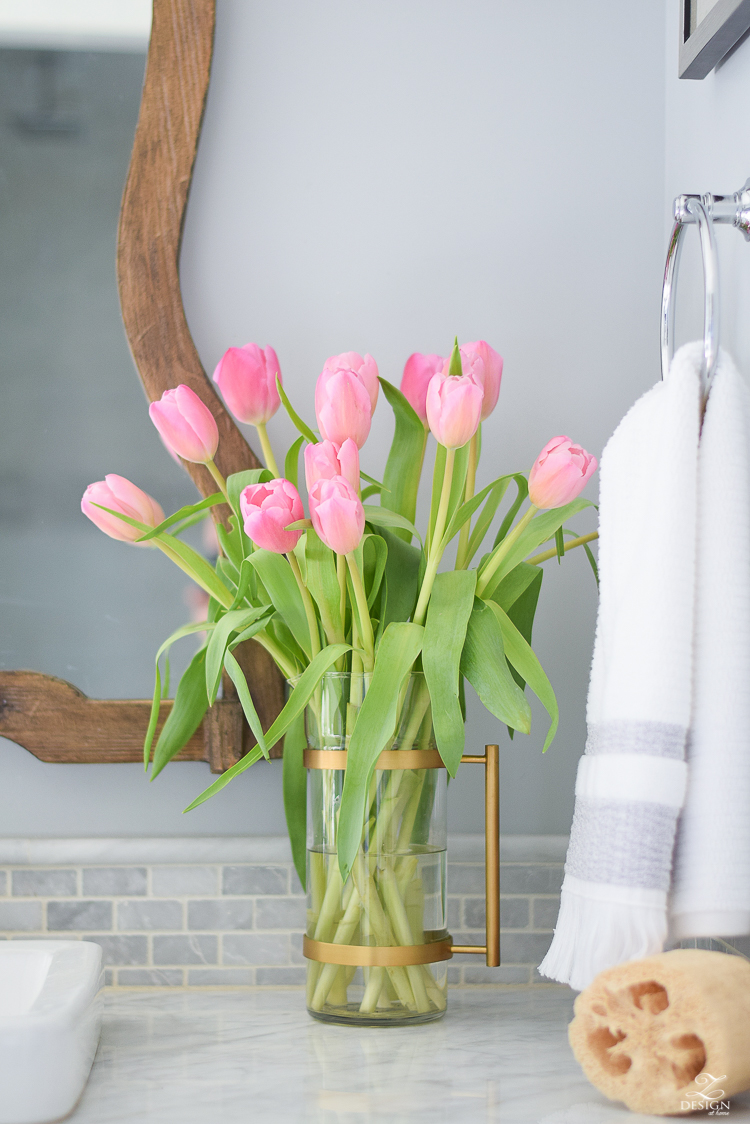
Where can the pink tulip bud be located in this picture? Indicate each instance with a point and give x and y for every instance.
(418, 371)
(365, 369)
(118, 494)
(337, 514)
(484, 363)
(246, 377)
(559, 473)
(324, 461)
(454, 407)
(267, 509)
(343, 407)
(185, 424)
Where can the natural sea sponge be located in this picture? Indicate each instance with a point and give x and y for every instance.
(667, 1034)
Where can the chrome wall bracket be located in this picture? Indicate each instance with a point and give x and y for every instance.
(703, 211)
(730, 210)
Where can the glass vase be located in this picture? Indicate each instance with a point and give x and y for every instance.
(377, 944)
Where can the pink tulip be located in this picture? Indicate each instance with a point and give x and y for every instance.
(185, 425)
(454, 407)
(324, 461)
(343, 407)
(418, 371)
(120, 495)
(337, 514)
(559, 473)
(365, 369)
(484, 363)
(246, 377)
(267, 509)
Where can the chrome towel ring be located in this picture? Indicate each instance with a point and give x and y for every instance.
(703, 211)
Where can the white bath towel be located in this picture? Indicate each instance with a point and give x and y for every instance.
(711, 887)
(631, 779)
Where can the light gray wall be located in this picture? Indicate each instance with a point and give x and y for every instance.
(380, 176)
(708, 149)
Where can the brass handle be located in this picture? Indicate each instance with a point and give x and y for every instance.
(491, 762)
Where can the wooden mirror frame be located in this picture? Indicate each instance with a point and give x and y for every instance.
(47, 716)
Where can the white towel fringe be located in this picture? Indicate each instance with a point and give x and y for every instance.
(592, 935)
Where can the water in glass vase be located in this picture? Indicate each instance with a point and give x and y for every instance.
(376, 933)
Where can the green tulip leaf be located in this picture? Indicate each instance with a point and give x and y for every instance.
(493, 493)
(515, 584)
(524, 660)
(458, 484)
(541, 528)
(450, 607)
(160, 690)
(518, 595)
(294, 783)
(291, 461)
(374, 561)
(234, 621)
(456, 368)
(236, 674)
(401, 579)
(374, 484)
(189, 706)
(235, 543)
(297, 421)
(283, 592)
(515, 507)
(592, 563)
(248, 633)
(374, 727)
(487, 514)
(322, 581)
(384, 517)
(484, 664)
(202, 571)
(189, 515)
(244, 584)
(295, 705)
(403, 468)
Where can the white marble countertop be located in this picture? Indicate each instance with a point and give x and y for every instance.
(232, 1057)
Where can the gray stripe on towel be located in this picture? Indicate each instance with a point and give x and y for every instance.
(627, 843)
(654, 739)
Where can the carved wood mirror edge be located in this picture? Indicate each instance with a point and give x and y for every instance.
(49, 717)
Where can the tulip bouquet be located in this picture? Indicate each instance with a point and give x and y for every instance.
(374, 639)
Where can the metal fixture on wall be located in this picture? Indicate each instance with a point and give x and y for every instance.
(703, 211)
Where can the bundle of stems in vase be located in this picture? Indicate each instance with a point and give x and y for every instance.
(353, 606)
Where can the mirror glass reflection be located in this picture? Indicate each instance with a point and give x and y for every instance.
(74, 603)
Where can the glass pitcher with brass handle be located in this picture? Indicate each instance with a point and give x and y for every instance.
(378, 945)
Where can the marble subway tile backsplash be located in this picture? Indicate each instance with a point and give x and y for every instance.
(230, 912)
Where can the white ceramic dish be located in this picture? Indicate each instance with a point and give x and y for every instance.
(50, 1020)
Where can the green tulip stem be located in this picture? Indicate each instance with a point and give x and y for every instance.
(166, 549)
(365, 624)
(571, 544)
(436, 544)
(471, 480)
(312, 620)
(218, 478)
(503, 549)
(268, 456)
(341, 575)
(289, 670)
(412, 514)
